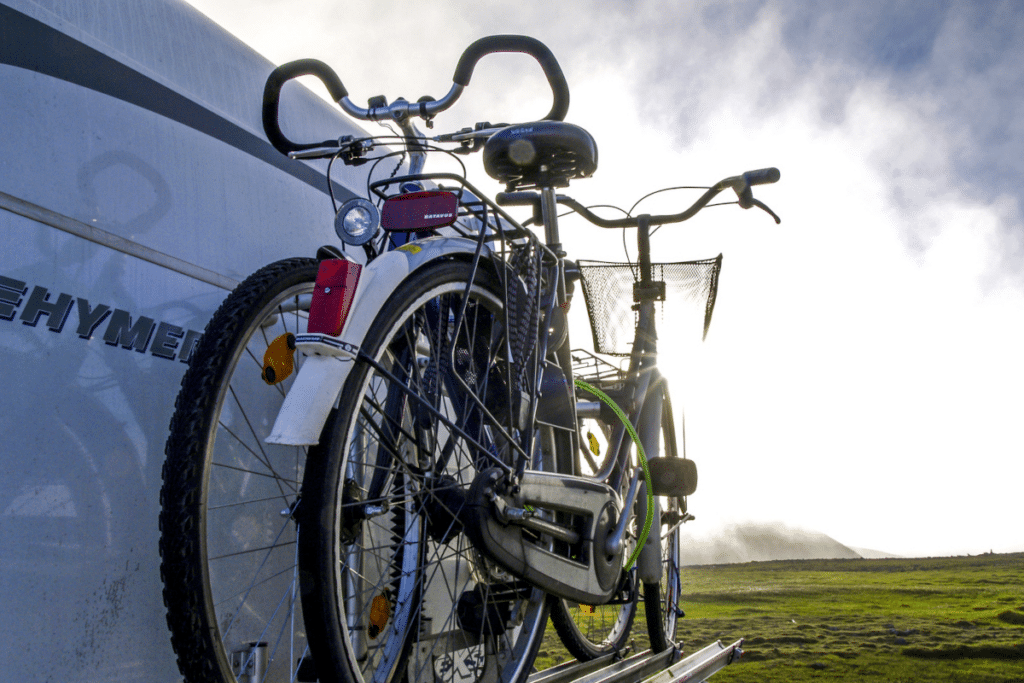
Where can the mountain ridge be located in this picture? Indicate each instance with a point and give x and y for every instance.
(761, 542)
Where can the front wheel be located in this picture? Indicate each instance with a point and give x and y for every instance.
(591, 631)
(661, 600)
(393, 590)
(227, 530)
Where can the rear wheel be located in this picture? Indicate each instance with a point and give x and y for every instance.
(227, 534)
(394, 589)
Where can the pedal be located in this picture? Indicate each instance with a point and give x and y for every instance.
(673, 477)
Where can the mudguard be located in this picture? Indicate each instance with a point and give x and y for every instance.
(329, 359)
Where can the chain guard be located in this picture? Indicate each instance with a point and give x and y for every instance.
(582, 572)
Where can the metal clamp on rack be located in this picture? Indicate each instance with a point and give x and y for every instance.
(649, 291)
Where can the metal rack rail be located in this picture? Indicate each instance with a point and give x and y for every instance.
(646, 666)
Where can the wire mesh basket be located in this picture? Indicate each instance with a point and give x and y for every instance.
(690, 290)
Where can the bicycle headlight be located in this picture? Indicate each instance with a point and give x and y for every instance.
(357, 221)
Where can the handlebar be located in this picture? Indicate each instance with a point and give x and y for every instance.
(741, 184)
(401, 110)
(272, 98)
(762, 176)
(524, 45)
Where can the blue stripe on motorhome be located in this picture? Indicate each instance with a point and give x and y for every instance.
(30, 44)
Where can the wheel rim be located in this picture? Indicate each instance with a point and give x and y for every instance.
(439, 566)
(249, 550)
(671, 581)
(603, 627)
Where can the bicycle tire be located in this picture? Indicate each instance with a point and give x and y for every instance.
(661, 600)
(592, 631)
(386, 583)
(227, 551)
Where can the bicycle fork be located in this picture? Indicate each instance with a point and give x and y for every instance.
(647, 399)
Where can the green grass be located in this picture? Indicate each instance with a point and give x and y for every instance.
(935, 619)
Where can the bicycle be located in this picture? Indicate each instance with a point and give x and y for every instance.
(427, 402)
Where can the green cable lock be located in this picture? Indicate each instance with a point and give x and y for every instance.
(643, 463)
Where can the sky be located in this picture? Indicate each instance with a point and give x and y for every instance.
(863, 375)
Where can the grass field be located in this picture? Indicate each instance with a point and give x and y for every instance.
(935, 619)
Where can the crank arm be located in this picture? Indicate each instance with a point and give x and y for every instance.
(528, 519)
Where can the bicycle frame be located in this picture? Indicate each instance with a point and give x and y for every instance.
(645, 403)
(307, 406)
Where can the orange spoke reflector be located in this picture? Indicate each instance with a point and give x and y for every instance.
(279, 360)
(380, 612)
(587, 609)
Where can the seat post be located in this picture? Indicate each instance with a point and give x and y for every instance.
(549, 214)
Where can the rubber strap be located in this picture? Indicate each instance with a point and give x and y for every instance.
(643, 463)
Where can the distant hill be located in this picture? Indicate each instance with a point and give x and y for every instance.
(869, 554)
(755, 542)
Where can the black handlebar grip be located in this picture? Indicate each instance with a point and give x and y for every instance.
(272, 98)
(525, 45)
(762, 176)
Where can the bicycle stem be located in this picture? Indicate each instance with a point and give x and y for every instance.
(417, 150)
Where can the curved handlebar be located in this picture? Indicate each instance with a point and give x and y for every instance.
(525, 45)
(741, 184)
(400, 110)
(272, 98)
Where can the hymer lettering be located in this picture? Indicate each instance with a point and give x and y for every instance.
(11, 292)
(123, 330)
(39, 304)
(120, 330)
(89, 320)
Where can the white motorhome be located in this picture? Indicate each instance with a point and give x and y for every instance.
(136, 190)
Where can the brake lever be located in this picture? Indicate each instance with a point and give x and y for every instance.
(349, 149)
(746, 201)
(761, 205)
(317, 153)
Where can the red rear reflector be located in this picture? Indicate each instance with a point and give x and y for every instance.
(332, 297)
(419, 211)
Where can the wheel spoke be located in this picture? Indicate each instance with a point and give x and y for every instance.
(258, 474)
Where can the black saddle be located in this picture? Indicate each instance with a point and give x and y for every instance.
(541, 154)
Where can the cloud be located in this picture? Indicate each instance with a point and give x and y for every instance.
(945, 79)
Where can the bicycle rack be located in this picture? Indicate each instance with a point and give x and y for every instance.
(646, 666)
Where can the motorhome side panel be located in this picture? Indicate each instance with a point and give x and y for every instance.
(136, 188)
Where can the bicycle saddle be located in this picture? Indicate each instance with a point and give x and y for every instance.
(540, 154)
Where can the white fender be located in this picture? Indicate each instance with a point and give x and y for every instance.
(319, 382)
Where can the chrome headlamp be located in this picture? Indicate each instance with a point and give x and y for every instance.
(357, 221)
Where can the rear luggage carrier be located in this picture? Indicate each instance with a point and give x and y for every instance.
(646, 666)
